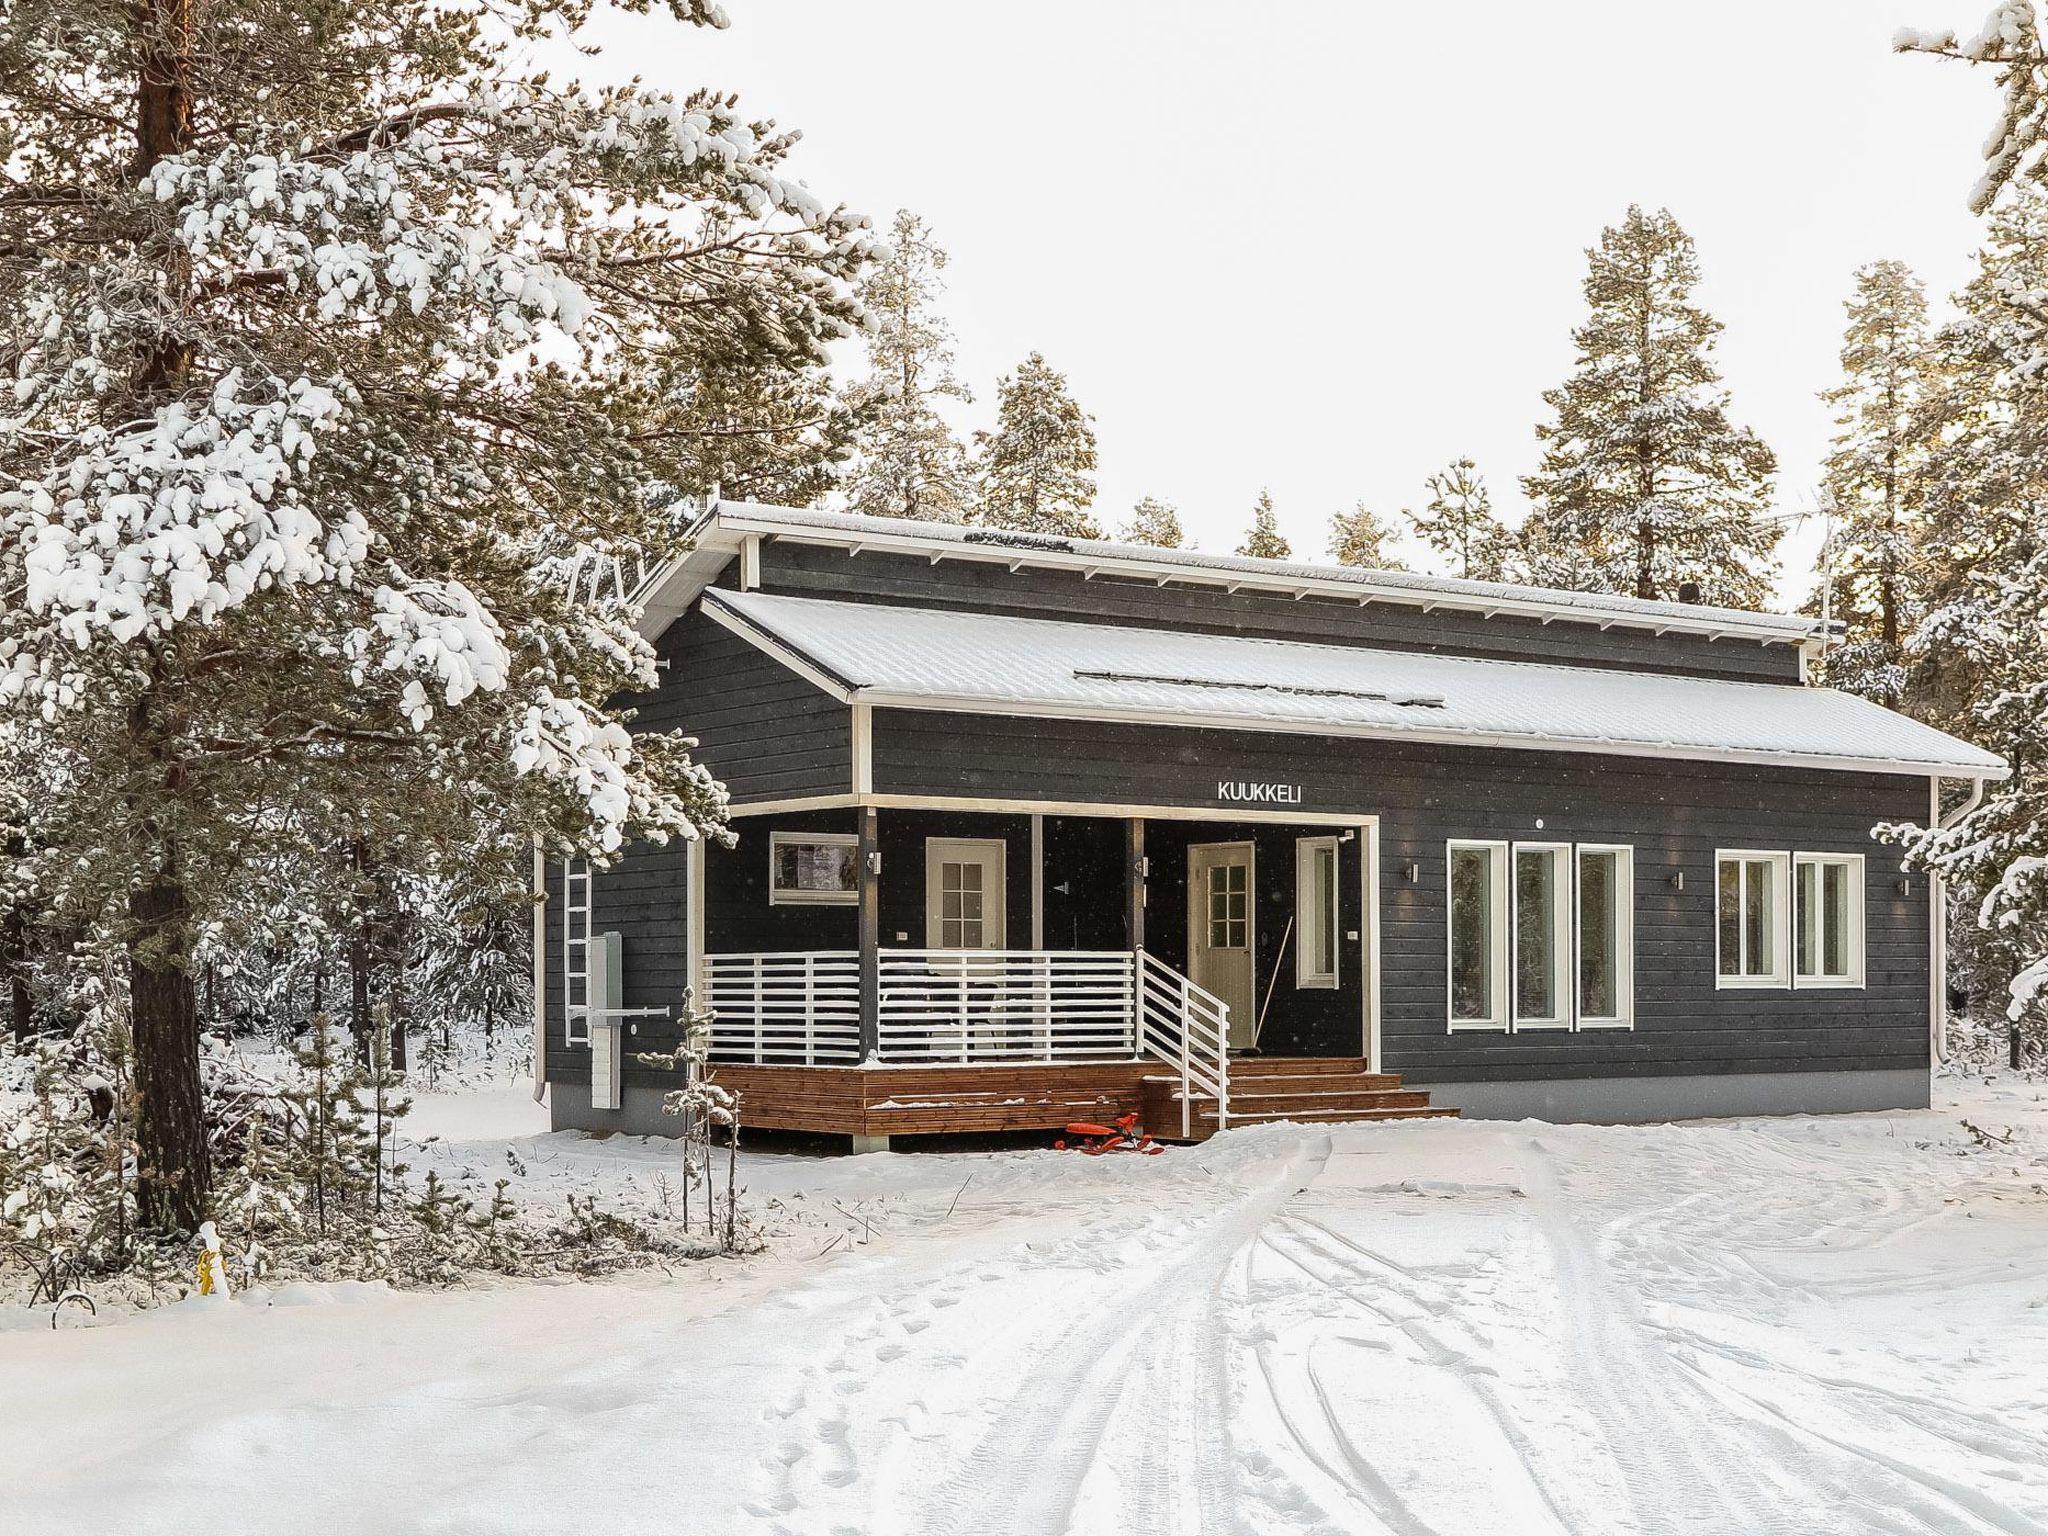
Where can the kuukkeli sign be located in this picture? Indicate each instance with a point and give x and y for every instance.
(1238, 792)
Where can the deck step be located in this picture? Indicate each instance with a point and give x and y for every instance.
(1207, 1118)
(1320, 1090)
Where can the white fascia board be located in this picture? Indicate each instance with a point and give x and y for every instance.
(1192, 720)
(1769, 630)
(797, 662)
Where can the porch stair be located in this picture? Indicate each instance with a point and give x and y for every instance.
(1308, 1090)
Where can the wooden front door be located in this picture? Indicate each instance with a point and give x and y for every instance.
(1221, 931)
(963, 893)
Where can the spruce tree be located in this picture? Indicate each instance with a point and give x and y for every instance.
(1155, 523)
(908, 461)
(1360, 537)
(327, 331)
(1037, 469)
(1264, 541)
(1458, 523)
(1875, 477)
(1643, 476)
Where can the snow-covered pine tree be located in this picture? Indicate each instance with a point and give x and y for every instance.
(1459, 524)
(1360, 537)
(908, 461)
(1263, 540)
(1875, 477)
(1036, 471)
(1155, 523)
(1643, 475)
(323, 321)
(2016, 149)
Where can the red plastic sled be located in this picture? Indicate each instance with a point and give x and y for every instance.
(1124, 1136)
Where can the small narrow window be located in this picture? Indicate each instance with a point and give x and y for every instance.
(1828, 922)
(1478, 939)
(1752, 918)
(576, 893)
(813, 869)
(1315, 909)
(1606, 949)
(1542, 937)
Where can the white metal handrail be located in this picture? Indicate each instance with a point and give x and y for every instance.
(1186, 1026)
(794, 1008)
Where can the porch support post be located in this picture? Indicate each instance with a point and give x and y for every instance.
(870, 935)
(1037, 881)
(1134, 882)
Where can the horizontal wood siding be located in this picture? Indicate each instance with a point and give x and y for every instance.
(812, 571)
(1674, 814)
(768, 733)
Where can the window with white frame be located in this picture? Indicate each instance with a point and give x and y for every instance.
(1752, 917)
(1315, 909)
(1605, 915)
(1828, 919)
(813, 869)
(576, 894)
(1543, 936)
(1478, 943)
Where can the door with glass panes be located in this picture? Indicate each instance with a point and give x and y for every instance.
(1221, 929)
(963, 884)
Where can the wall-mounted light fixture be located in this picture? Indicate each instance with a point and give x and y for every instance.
(1678, 881)
(1413, 873)
(1905, 886)
(875, 862)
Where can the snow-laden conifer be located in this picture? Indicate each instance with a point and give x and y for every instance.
(909, 462)
(1361, 537)
(1036, 470)
(1887, 435)
(1645, 483)
(1156, 523)
(1264, 540)
(1458, 523)
(326, 327)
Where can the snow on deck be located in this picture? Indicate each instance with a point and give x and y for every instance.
(951, 659)
(1797, 1325)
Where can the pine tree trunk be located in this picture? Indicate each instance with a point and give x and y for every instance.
(14, 966)
(174, 1182)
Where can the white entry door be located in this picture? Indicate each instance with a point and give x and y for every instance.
(963, 893)
(1221, 931)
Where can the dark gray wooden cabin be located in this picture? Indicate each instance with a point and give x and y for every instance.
(1031, 829)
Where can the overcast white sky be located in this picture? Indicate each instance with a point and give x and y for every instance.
(1325, 247)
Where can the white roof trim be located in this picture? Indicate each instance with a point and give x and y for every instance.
(974, 663)
(722, 526)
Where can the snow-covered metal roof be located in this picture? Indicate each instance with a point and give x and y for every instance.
(920, 658)
(720, 530)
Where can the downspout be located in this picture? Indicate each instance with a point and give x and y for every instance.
(540, 975)
(1937, 916)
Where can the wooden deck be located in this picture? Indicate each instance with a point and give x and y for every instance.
(935, 1100)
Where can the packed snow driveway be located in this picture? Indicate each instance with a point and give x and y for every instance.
(1747, 1326)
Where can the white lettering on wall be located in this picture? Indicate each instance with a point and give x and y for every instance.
(1239, 792)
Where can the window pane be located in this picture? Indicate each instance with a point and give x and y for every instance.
(1729, 908)
(1835, 919)
(1319, 922)
(1472, 920)
(1598, 950)
(1760, 935)
(1536, 968)
(1806, 928)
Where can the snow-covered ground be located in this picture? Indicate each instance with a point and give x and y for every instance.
(1744, 1326)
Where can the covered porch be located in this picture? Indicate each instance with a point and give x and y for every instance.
(885, 970)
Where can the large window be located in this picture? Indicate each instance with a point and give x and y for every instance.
(1315, 907)
(1753, 904)
(1543, 936)
(1479, 935)
(1606, 936)
(813, 868)
(1828, 919)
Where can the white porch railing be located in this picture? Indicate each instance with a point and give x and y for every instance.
(1188, 1027)
(798, 1008)
(802, 1008)
(965, 1005)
